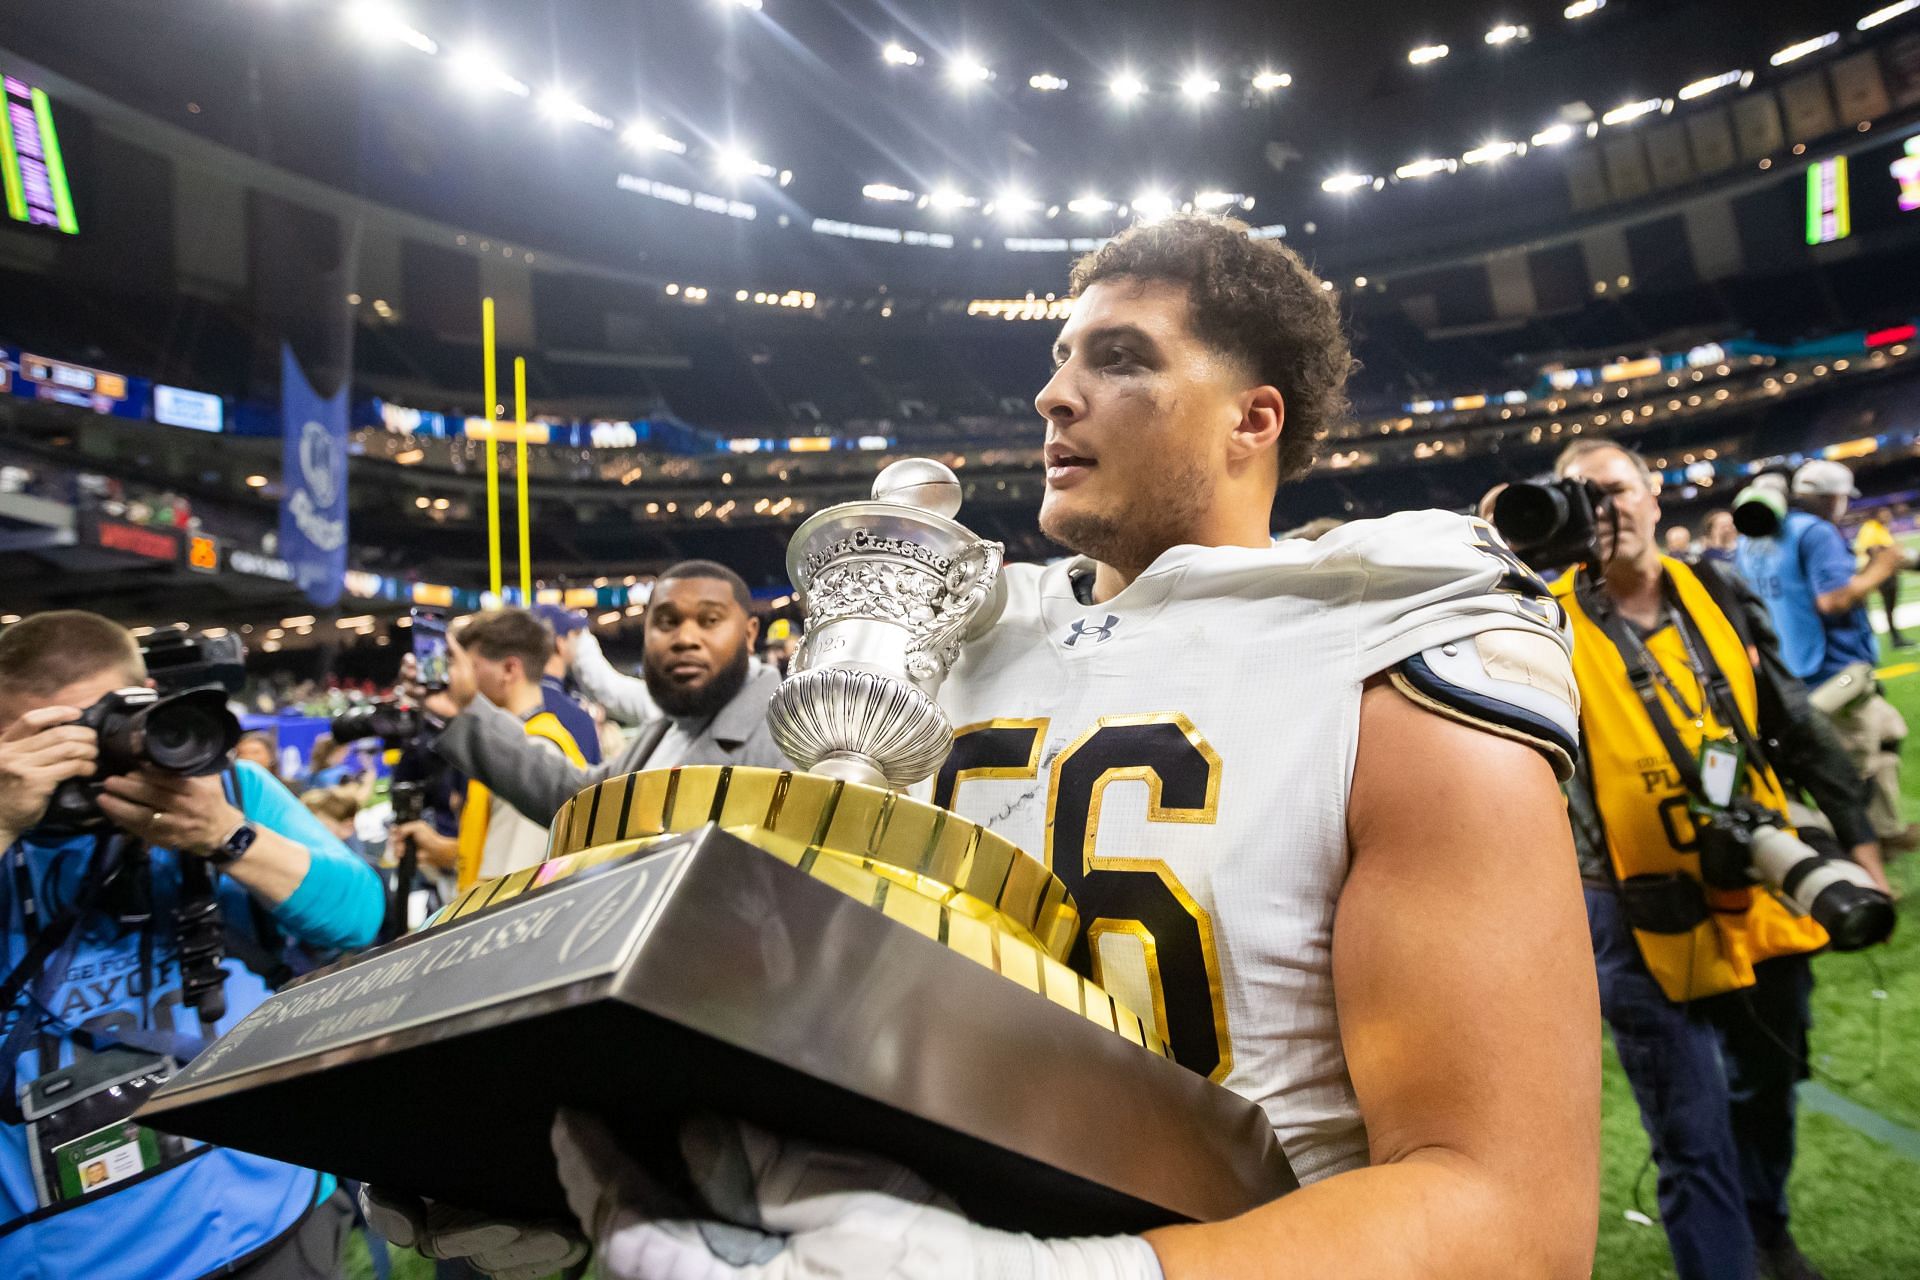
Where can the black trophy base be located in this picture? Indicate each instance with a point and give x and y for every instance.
(707, 976)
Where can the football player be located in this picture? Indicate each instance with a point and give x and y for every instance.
(1305, 796)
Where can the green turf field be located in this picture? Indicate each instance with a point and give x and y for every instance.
(1856, 1200)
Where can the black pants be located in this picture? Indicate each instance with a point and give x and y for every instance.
(1890, 596)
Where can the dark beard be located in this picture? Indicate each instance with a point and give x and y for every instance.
(1132, 542)
(701, 703)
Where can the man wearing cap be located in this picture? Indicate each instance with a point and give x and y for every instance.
(1806, 573)
(553, 680)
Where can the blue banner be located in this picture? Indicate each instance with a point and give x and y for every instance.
(313, 471)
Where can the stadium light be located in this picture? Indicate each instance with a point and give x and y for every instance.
(1090, 204)
(1015, 203)
(1583, 9)
(377, 20)
(643, 136)
(1427, 53)
(1268, 81)
(1047, 82)
(1701, 88)
(1341, 183)
(1199, 85)
(1127, 86)
(1152, 206)
(899, 55)
(1424, 168)
(1794, 52)
(886, 191)
(558, 104)
(1506, 33)
(1887, 14)
(944, 197)
(734, 162)
(967, 71)
(1552, 136)
(1220, 199)
(1488, 152)
(476, 68)
(1630, 111)
(754, 5)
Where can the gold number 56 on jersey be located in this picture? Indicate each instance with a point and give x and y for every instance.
(1147, 940)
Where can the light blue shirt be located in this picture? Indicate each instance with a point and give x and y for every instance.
(1791, 571)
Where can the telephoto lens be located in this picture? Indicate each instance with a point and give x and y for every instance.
(1759, 508)
(1838, 894)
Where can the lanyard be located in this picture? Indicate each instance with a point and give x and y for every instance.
(1641, 671)
(1706, 674)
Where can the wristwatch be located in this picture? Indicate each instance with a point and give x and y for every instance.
(235, 846)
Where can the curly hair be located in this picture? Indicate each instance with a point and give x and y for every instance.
(1254, 300)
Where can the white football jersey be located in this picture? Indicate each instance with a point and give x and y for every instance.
(1181, 755)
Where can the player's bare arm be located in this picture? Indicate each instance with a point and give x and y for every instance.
(1470, 1020)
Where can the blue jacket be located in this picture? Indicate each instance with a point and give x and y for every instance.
(573, 717)
(216, 1206)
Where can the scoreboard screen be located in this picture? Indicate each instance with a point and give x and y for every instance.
(1829, 203)
(31, 167)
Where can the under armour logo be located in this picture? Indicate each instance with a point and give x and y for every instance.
(1099, 635)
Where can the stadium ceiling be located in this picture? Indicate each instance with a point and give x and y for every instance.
(962, 103)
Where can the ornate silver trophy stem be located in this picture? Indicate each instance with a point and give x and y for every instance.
(890, 588)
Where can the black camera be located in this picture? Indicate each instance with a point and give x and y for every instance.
(1743, 845)
(395, 721)
(182, 660)
(190, 733)
(1553, 524)
(1761, 507)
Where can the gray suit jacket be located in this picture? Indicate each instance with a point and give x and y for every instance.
(490, 744)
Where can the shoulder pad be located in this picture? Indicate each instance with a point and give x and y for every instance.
(1512, 682)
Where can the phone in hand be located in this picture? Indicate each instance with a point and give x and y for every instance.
(430, 648)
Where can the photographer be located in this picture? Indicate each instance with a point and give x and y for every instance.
(1685, 715)
(1806, 573)
(121, 895)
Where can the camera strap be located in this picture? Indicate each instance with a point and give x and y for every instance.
(1640, 671)
(49, 956)
(1716, 688)
(1716, 691)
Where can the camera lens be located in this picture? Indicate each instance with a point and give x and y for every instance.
(1854, 917)
(189, 733)
(1527, 514)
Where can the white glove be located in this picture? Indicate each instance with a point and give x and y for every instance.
(502, 1249)
(795, 1211)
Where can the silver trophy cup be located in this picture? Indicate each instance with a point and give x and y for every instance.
(891, 587)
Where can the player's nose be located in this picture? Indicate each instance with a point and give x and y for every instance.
(1060, 400)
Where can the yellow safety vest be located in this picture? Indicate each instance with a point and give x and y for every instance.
(474, 814)
(1642, 802)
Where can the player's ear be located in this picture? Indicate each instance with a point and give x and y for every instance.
(1263, 412)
